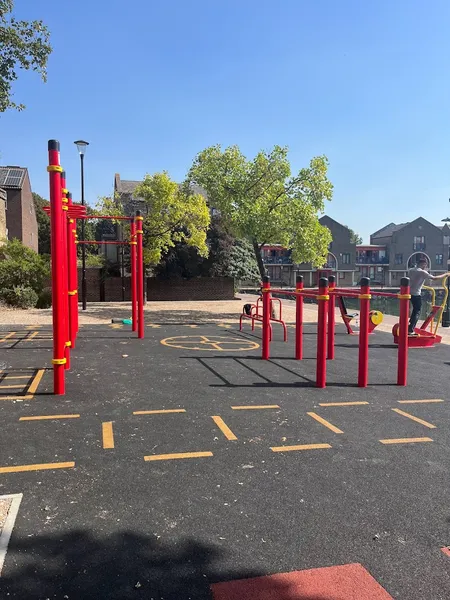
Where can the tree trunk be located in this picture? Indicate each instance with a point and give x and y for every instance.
(259, 260)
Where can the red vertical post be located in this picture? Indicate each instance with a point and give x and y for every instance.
(299, 318)
(65, 269)
(73, 283)
(363, 356)
(331, 317)
(57, 253)
(133, 245)
(140, 274)
(266, 318)
(404, 297)
(321, 367)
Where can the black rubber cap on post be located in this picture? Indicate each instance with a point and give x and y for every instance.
(323, 282)
(138, 213)
(299, 279)
(53, 145)
(365, 281)
(69, 195)
(63, 174)
(404, 281)
(266, 279)
(331, 278)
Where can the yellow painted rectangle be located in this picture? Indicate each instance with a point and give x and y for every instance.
(30, 337)
(178, 455)
(48, 417)
(17, 377)
(413, 418)
(324, 422)
(224, 428)
(342, 403)
(159, 412)
(36, 381)
(406, 440)
(300, 447)
(419, 401)
(260, 407)
(108, 435)
(40, 467)
(26, 397)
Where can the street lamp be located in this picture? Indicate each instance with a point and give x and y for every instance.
(81, 147)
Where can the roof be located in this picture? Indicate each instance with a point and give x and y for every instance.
(388, 230)
(11, 178)
(127, 186)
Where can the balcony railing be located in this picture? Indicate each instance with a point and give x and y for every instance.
(372, 260)
(277, 260)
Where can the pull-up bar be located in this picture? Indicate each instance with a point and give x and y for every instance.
(114, 242)
(107, 217)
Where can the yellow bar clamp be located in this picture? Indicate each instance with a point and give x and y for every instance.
(365, 296)
(53, 168)
(64, 191)
(404, 296)
(73, 292)
(59, 361)
(139, 218)
(323, 297)
(68, 344)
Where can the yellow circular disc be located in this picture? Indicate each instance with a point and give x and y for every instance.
(215, 343)
(376, 317)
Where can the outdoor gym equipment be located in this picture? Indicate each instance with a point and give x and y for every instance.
(325, 296)
(427, 334)
(64, 272)
(254, 313)
(375, 317)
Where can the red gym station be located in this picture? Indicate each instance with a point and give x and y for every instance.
(64, 215)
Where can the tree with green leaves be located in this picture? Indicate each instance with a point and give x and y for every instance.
(355, 238)
(172, 214)
(263, 202)
(23, 45)
(43, 221)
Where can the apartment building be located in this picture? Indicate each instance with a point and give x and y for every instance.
(21, 222)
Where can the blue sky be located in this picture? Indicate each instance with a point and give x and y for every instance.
(150, 83)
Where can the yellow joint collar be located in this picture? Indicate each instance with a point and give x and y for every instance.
(266, 289)
(139, 218)
(72, 221)
(68, 344)
(64, 191)
(65, 199)
(365, 296)
(323, 297)
(65, 208)
(133, 243)
(54, 168)
(73, 292)
(140, 231)
(59, 361)
(404, 296)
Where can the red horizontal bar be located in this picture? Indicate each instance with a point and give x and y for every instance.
(95, 242)
(107, 217)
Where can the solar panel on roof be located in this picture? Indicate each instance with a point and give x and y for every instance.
(11, 177)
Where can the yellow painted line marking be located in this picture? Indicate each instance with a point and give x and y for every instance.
(41, 467)
(260, 407)
(153, 326)
(27, 397)
(36, 381)
(191, 326)
(108, 435)
(342, 403)
(29, 338)
(418, 401)
(224, 428)
(10, 387)
(178, 455)
(406, 440)
(325, 422)
(8, 336)
(17, 377)
(159, 412)
(300, 447)
(413, 418)
(49, 417)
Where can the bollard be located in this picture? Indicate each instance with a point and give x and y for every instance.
(331, 318)
(402, 365)
(299, 319)
(321, 367)
(266, 318)
(57, 257)
(363, 356)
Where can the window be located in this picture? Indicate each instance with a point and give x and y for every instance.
(419, 242)
(439, 259)
(446, 240)
(341, 275)
(346, 258)
(399, 259)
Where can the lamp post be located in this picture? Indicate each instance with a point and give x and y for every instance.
(81, 147)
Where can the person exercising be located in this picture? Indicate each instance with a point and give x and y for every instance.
(417, 276)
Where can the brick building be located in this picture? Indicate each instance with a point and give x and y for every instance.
(21, 222)
(3, 229)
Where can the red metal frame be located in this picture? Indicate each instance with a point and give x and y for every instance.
(256, 315)
(331, 318)
(321, 365)
(363, 354)
(299, 318)
(140, 274)
(402, 367)
(133, 244)
(266, 319)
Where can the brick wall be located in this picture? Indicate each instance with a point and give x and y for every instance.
(14, 215)
(93, 279)
(201, 288)
(103, 290)
(29, 220)
(2, 214)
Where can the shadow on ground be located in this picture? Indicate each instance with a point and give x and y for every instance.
(80, 566)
